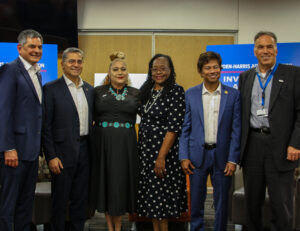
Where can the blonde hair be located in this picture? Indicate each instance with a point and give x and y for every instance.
(114, 57)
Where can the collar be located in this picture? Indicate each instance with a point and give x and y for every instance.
(217, 91)
(266, 74)
(69, 82)
(118, 90)
(36, 68)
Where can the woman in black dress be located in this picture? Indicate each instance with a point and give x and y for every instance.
(115, 167)
(162, 185)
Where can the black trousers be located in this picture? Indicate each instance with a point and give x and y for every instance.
(70, 190)
(260, 173)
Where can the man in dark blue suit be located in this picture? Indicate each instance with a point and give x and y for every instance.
(20, 133)
(210, 140)
(68, 105)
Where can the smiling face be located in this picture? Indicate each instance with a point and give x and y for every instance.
(32, 50)
(265, 50)
(160, 70)
(211, 72)
(118, 74)
(72, 65)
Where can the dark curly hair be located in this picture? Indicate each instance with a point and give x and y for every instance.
(145, 90)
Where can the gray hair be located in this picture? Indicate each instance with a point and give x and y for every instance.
(71, 50)
(262, 33)
(25, 34)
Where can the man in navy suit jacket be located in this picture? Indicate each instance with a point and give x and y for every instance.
(210, 140)
(68, 106)
(20, 133)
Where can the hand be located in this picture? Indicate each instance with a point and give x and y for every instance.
(293, 153)
(55, 165)
(11, 158)
(229, 169)
(187, 167)
(160, 169)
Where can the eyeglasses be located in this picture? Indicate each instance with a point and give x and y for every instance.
(162, 69)
(207, 68)
(74, 61)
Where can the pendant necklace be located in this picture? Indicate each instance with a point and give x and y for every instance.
(149, 105)
(119, 97)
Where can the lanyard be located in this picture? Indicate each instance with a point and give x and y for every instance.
(263, 87)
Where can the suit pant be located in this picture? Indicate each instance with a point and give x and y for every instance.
(17, 187)
(221, 185)
(259, 173)
(70, 190)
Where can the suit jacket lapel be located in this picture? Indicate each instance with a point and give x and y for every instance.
(27, 78)
(89, 101)
(39, 78)
(200, 108)
(276, 85)
(86, 92)
(224, 94)
(67, 92)
(248, 85)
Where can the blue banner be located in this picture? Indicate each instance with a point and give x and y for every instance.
(239, 58)
(48, 62)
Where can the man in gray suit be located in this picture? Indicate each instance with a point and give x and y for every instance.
(270, 142)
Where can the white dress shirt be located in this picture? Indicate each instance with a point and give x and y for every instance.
(211, 106)
(81, 104)
(32, 71)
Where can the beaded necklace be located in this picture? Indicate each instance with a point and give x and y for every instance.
(118, 96)
(154, 97)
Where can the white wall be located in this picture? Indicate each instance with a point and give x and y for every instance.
(157, 14)
(280, 16)
(246, 17)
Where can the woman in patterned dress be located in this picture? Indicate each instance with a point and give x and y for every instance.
(162, 186)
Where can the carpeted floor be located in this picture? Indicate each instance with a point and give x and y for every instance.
(97, 223)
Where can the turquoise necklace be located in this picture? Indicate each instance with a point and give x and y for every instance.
(119, 96)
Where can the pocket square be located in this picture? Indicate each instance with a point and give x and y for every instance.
(281, 80)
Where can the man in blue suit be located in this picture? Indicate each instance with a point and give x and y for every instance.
(20, 133)
(210, 140)
(68, 106)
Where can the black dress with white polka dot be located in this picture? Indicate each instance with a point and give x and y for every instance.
(161, 198)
